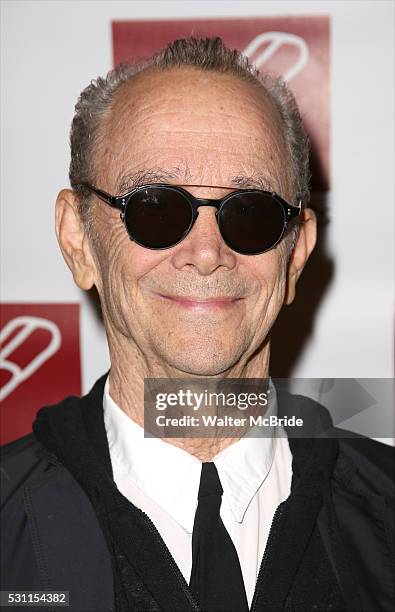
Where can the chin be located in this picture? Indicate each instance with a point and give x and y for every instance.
(201, 369)
(195, 360)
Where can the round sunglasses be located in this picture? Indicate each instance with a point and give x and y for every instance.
(159, 216)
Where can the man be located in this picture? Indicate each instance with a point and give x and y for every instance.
(188, 212)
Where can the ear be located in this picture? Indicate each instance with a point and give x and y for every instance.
(301, 252)
(73, 239)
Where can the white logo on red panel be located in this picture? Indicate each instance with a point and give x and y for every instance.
(277, 40)
(28, 326)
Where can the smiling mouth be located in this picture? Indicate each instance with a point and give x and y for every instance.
(199, 303)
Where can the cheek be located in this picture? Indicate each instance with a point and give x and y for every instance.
(120, 265)
(270, 273)
(110, 248)
(115, 280)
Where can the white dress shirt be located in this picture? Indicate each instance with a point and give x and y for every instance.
(163, 480)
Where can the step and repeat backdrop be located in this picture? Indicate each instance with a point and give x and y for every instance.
(338, 59)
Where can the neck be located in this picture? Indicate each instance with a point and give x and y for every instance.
(126, 388)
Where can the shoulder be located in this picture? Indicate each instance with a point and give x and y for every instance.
(24, 446)
(20, 463)
(366, 463)
(370, 463)
(23, 461)
(26, 460)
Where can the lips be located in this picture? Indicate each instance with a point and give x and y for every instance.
(199, 303)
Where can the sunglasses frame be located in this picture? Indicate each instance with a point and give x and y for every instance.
(291, 213)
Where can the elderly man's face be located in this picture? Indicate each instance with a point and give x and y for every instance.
(198, 307)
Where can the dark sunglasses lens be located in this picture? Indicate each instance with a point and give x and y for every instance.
(251, 223)
(158, 217)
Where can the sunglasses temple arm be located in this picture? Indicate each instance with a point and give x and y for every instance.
(113, 201)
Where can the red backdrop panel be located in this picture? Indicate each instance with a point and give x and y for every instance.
(295, 47)
(39, 361)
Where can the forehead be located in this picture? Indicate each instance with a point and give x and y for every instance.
(208, 125)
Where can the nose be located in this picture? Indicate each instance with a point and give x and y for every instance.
(204, 248)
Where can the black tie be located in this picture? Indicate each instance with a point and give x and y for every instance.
(216, 578)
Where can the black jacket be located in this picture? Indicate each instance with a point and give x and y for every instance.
(65, 526)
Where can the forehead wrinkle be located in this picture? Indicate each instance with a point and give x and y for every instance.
(131, 179)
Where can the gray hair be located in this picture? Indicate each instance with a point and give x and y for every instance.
(207, 54)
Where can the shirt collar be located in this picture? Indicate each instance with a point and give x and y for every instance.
(170, 476)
